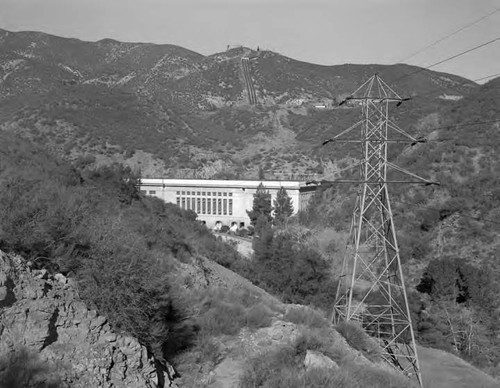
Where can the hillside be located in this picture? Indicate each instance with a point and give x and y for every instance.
(116, 289)
(448, 234)
(190, 113)
(166, 111)
(70, 308)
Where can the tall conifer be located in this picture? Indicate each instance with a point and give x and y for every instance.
(261, 205)
(283, 207)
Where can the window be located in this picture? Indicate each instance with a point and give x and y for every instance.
(203, 206)
(220, 194)
(144, 192)
(188, 193)
(152, 192)
(183, 203)
(198, 205)
(230, 206)
(225, 206)
(219, 206)
(178, 201)
(230, 194)
(203, 193)
(178, 193)
(224, 194)
(209, 203)
(214, 208)
(188, 206)
(183, 193)
(214, 194)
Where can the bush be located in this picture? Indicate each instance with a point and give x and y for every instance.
(271, 369)
(94, 226)
(259, 316)
(221, 317)
(294, 272)
(284, 368)
(355, 336)
(223, 311)
(303, 315)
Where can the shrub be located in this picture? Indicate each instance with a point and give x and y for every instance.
(354, 334)
(259, 316)
(221, 317)
(208, 350)
(284, 368)
(272, 365)
(320, 340)
(371, 376)
(223, 311)
(303, 315)
(294, 272)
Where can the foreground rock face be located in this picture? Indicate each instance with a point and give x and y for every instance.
(49, 338)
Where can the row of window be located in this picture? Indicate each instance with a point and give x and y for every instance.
(205, 193)
(215, 206)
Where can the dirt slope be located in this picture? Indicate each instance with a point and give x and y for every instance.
(444, 370)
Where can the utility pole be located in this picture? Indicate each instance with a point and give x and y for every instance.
(371, 288)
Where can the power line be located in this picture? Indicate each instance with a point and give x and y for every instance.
(438, 209)
(449, 58)
(488, 76)
(450, 126)
(467, 124)
(449, 35)
(462, 53)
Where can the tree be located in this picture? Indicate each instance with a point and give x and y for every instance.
(283, 207)
(261, 205)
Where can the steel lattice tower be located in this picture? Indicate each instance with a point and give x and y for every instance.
(371, 288)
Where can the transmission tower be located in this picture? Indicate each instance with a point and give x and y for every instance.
(371, 288)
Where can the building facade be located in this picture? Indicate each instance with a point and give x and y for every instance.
(225, 201)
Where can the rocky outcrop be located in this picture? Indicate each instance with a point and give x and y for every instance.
(49, 337)
(315, 359)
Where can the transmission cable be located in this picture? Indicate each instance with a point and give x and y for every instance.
(449, 58)
(438, 209)
(488, 76)
(449, 35)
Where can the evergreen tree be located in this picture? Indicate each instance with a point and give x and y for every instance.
(283, 207)
(261, 205)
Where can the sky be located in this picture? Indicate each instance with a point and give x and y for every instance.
(326, 32)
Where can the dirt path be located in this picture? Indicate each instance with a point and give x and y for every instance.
(243, 246)
(444, 370)
(227, 373)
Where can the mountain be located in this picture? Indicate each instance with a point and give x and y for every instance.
(190, 114)
(168, 111)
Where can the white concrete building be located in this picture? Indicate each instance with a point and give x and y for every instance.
(222, 200)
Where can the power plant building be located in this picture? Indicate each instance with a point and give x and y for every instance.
(225, 201)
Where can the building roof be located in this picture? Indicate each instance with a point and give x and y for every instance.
(220, 183)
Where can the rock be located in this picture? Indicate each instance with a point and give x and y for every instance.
(3, 278)
(60, 278)
(42, 274)
(48, 328)
(317, 360)
(281, 330)
(111, 337)
(3, 293)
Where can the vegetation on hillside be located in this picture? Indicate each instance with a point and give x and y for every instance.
(124, 250)
(284, 367)
(448, 234)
